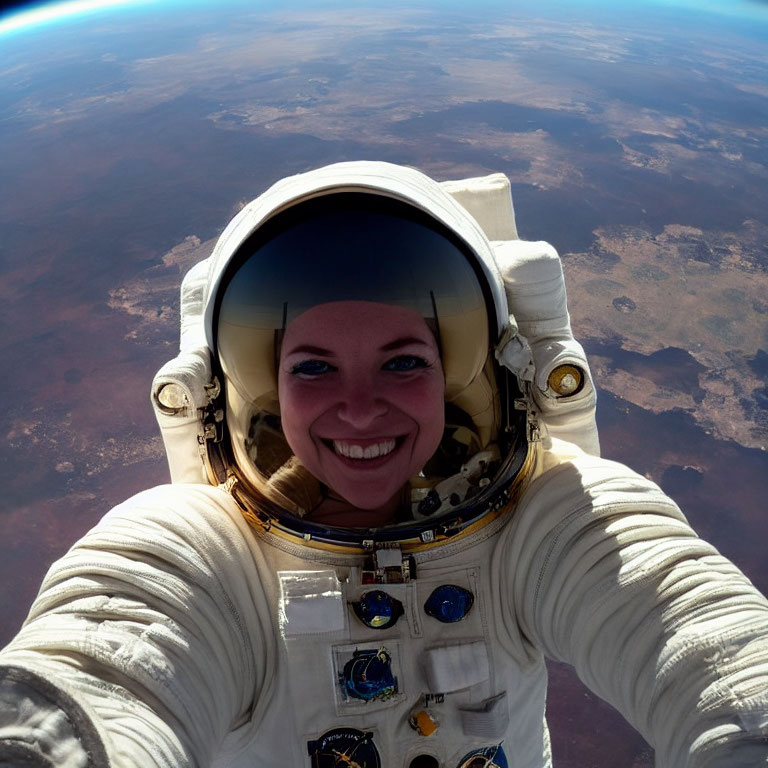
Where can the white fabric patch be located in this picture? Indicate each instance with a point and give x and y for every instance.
(489, 200)
(389, 558)
(455, 667)
(310, 603)
(489, 720)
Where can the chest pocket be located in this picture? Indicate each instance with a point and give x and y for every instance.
(455, 654)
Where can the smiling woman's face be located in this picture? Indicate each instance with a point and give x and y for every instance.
(361, 392)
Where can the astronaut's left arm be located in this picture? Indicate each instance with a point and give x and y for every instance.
(604, 573)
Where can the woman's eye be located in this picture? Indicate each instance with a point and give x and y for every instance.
(405, 363)
(312, 368)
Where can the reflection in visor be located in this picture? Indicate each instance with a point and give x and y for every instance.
(347, 247)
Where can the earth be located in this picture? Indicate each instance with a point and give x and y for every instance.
(636, 140)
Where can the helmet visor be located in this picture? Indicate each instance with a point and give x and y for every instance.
(342, 247)
(347, 247)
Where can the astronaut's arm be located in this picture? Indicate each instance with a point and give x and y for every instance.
(609, 577)
(139, 649)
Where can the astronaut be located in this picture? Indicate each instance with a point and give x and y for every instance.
(388, 507)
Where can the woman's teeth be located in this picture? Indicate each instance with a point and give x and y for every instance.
(352, 451)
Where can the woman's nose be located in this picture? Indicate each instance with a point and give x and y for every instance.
(360, 404)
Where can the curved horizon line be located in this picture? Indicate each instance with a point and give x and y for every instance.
(47, 13)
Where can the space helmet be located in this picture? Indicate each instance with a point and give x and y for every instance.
(371, 232)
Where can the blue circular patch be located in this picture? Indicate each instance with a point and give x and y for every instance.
(449, 603)
(378, 609)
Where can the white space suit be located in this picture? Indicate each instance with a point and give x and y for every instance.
(189, 628)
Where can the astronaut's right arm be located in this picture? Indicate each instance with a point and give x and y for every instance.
(149, 643)
(607, 575)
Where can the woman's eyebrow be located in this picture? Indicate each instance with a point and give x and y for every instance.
(403, 342)
(310, 350)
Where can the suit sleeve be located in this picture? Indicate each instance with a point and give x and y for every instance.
(149, 643)
(601, 570)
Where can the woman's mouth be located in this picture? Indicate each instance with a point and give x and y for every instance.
(364, 451)
(353, 450)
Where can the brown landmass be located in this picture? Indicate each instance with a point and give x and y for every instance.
(152, 298)
(702, 293)
(369, 88)
(684, 288)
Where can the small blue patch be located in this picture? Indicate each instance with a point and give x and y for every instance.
(449, 603)
(378, 609)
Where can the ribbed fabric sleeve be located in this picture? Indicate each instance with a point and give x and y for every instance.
(154, 623)
(601, 570)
